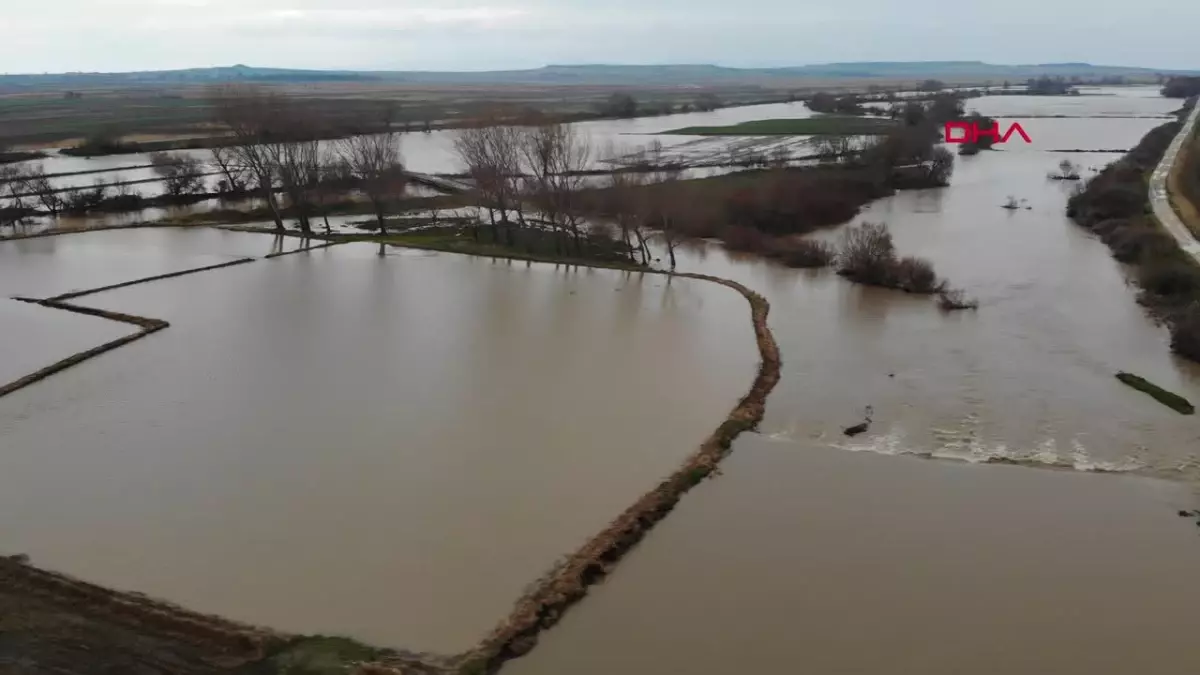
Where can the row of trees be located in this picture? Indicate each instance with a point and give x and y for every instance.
(536, 176)
(27, 191)
(1181, 87)
(623, 104)
(275, 151)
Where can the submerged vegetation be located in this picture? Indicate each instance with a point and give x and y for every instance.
(1170, 399)
(868, 256)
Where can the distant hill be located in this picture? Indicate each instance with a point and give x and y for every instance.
(596, 74)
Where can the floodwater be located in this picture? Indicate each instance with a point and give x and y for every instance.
(904, 551)
(433, 152)
(453, 388)
(33, 337)
(47, 266)
(389, 448)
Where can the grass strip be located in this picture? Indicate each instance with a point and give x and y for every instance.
(1170, 399)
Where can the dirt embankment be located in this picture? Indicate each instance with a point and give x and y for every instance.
(50, 623)
(568, 583)
(53, 621)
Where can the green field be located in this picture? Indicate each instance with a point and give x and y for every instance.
(830, 125)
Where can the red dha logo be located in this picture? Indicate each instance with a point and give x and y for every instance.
(971, 132)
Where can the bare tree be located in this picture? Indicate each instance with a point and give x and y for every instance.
(375, 162)
(780, 155)
(667, 198)
(556, 155)
(297, 163)
(250, 113)
(39, 185)
(333, 177)
(621, 197)
(13, 187)
(234, 178)
(181, 173)
(491, 149)
(833, 147)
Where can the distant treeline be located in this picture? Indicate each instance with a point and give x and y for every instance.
(1182, 87)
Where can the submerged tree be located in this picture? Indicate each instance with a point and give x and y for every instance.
(252, 115)
(180, 173)
(375, 163)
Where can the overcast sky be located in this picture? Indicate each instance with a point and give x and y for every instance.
(115, 35)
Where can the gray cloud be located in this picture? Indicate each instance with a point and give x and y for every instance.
(56, 35)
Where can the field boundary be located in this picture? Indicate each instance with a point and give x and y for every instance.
(568, 583)
(144, 280)
(228, 637)
(148, 325)
(552, 594)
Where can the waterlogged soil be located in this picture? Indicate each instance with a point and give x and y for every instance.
(387, 448)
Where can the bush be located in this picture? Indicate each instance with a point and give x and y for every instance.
(1185, 333)
(1167, 279)
(747, 239)
(804, 253)
(868, 256)
(914, 275)
(952, 300)
(1133, 242)
(867, 253)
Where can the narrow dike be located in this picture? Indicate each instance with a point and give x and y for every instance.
(133, 609)
(147, 324)
(567, 584)
(538, 610)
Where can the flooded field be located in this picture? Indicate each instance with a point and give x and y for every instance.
(393, 447)
(805, 559)
(389, 448)
(33, 337)
(48, 266)
(902, 551)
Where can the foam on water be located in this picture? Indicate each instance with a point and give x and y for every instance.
(965, 445)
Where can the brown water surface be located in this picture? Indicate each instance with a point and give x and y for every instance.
(817, 553)
(389, 448)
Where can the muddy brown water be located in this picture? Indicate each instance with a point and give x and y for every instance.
(901, 551)
(390, 448)
(32, 337)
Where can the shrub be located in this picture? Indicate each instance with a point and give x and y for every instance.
(747, 239)
(867, 253)
(804, 253)
(1133, 242)
(915, 275)
(956, 299)
(1172, 278)
(1185, 333)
